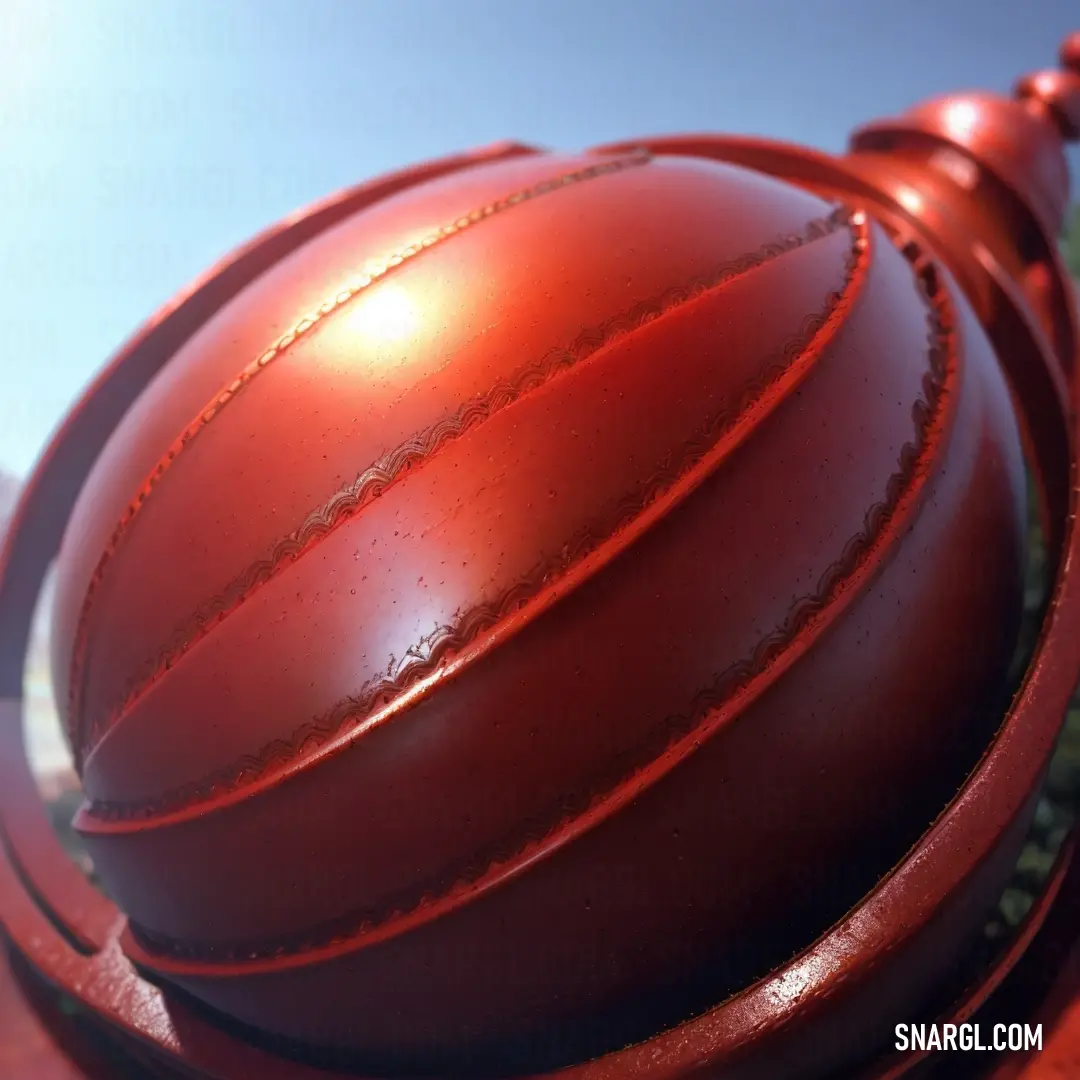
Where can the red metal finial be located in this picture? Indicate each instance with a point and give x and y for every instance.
(1054, 95)
(1019, 140)
(548, 893)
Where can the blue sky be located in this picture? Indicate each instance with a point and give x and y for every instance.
(143, 139)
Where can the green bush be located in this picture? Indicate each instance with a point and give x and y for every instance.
(1070, 242)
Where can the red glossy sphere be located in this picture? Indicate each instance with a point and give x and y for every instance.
(542, 602)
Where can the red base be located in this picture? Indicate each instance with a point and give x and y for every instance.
(32, 1048)
(38, 1041)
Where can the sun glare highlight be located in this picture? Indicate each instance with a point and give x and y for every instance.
(385, 315)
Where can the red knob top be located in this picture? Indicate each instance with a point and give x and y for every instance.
(1069, 56)
(1020, 141)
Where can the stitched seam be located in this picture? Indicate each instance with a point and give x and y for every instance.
(348, 292)
(425, 655)
(915, 461)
